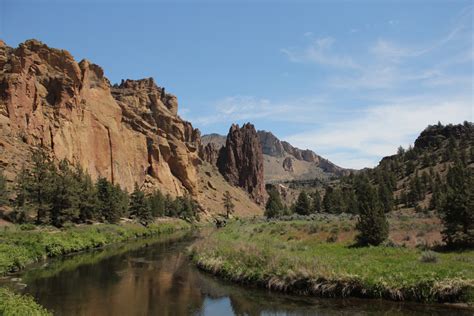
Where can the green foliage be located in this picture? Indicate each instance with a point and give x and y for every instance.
(140, 207)
(12, 304)
(264, 254)
(4, 193)
(157, 204)
(303, 204)
(316, 203)
(19, 248)
(372, 224)
(458, 209)
(274, 207)
(112, 201)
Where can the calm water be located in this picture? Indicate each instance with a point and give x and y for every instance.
(155, 278)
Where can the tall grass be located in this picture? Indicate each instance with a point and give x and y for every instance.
(297, 261)
(12, 304)
(19, 248)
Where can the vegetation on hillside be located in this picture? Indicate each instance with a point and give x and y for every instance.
(436, 174)
(58, 194)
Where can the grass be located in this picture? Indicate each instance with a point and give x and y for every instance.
(294, 256)
(25, 245)
(12, 304)
(18, 247)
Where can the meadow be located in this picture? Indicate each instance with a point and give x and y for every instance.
(318, 257)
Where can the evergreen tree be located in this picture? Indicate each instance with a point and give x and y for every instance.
(229, 206)
(303, 204)
(458, 209)
(327, 200)
(157, 204)
(112, 201)
(385, 196)
(316, 202)
(87, 203)
(64, 201)
(274, 206)
(139, 208)
(372, 224)
(3, 190)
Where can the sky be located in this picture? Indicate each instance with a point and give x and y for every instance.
(351, 80)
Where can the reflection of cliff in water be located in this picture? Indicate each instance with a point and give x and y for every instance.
(156, 278)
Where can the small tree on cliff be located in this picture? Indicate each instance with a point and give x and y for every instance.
(139, 208)
(372, 224)
(229, 206)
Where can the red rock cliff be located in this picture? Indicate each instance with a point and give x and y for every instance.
(128, 133)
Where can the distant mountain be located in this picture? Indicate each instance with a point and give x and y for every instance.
(284, 162)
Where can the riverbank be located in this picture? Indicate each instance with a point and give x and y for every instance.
(305, 257)
(16, 304)
(19, 247)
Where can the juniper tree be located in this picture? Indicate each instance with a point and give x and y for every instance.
(316, 202)
(303, 204)
(157, 203)
(3, 190)
(139, 207)
(87, 203)
(274, 206)
(372, 224)
(64, 201)
(112, 201)
(458, 208)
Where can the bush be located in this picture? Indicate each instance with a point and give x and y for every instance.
(12, 304)
(429, 257)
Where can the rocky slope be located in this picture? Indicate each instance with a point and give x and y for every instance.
(128, 132)
(282, 161)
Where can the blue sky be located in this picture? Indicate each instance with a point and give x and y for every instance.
(350, 80)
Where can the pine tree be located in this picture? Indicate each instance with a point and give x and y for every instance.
(274, 206)
(157, 204)
(229, 206)
(303, 204)
(3, 190)
(112, 201)
(64, 201)
(139, 208)
(316, 202)
(372, 224)
(87, 203)
(458, 209)
(385, 196)
(39, 185)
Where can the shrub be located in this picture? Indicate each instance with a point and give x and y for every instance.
(429, 257)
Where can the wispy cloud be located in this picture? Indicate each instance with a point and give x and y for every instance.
(378, 130)
(319, 51)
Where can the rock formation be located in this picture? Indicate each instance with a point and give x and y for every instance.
(241, 161)
(127, 133)
(282, 161)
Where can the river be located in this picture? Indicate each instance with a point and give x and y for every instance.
(155, 277)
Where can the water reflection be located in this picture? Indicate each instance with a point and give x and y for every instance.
(145, 278)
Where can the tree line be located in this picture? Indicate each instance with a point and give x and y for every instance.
(62, 193)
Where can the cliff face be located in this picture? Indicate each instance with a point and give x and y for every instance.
(127, 133)
(241, 161)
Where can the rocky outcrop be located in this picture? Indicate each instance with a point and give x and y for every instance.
(240, 161)
(128, 132)
(434, 135)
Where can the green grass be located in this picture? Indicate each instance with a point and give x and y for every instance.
(19, 248)
(290, 256)
(12, 304)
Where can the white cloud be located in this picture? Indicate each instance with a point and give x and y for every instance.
(319, 52)
(377, 131)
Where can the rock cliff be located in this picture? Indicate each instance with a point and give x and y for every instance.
(127, 133)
